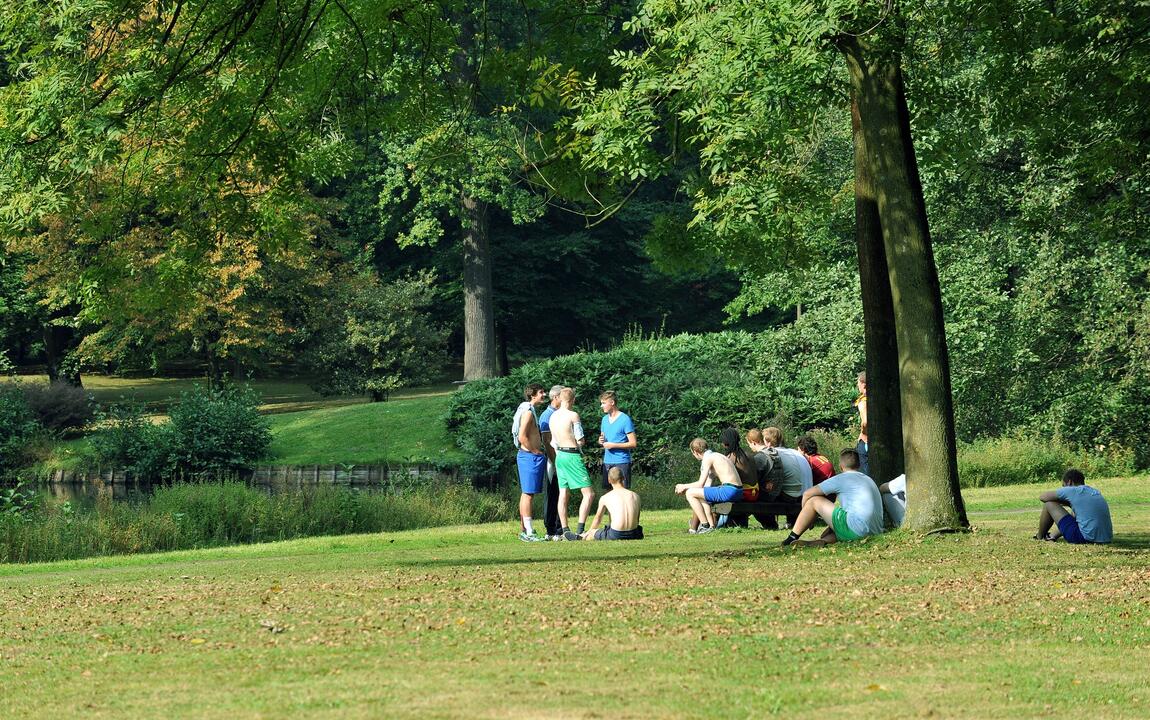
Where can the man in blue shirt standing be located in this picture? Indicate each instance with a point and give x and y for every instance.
(617, 436)
(1088, 520)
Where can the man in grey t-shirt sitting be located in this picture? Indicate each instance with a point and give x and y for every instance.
(858, 515)
(1090, 521)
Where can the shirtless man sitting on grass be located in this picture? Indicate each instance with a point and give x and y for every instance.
(699, 495)
(623, 507)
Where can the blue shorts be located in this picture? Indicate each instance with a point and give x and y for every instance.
(1068, 526)
(532, 472)
(723, 493)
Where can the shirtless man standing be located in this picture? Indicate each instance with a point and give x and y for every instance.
(567, 434)
(623, 507)
(699, 495)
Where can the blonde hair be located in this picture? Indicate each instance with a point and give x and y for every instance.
(773, 436)
(567, 394)
(755, 437)
(699, 445)
(615, 475)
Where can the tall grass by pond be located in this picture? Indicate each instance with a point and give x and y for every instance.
(208, 515)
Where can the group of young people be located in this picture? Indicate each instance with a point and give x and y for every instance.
(550, 446)
(800, 482)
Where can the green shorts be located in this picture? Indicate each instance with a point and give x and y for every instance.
(570, 471)
(842, 530)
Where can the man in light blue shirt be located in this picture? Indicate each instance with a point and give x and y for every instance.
(617, 436)
(858, 515)
(1088, 520)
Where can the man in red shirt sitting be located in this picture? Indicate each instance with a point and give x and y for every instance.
(821, 467)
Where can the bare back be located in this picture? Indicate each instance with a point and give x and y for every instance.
(724, 469)
(563, 423)
(623, 506)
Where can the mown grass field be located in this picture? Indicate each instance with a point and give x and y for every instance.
(307, 429)
(468, 622)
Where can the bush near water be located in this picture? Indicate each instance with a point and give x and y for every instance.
(799, 377)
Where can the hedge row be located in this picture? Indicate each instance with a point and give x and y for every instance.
(676, 388)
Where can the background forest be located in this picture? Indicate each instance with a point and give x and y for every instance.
(364, 193)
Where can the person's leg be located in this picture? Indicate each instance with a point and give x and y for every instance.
(524, 509)
(626, 470)
(864, 460)
(551, 502)
(699, 506)
(1052, 512)
(562, 509)
(815, 507)
(585, 506)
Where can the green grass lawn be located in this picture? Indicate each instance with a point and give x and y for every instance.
(468, 622)
(406, 428)
(397, 431)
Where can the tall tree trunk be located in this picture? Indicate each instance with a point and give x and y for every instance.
(478, 306)
(479, 358)
(884, 409)
(59, 340)
(933, 497)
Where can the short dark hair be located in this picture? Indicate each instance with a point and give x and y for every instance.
(1073, 476)
(807, 444)
(849, 459)
(532, 390)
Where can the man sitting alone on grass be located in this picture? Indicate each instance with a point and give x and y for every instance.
(623, 507)
(1090, 521)
(860, 513)
(699, 495)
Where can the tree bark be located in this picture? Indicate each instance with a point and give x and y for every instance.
(479, 355)
(884, 411)
(478, 305)
(934, 500)
(58, 342)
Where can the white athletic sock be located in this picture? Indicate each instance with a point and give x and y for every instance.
(527, 526)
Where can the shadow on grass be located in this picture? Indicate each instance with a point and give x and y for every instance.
(1131, 541)
(464, 561)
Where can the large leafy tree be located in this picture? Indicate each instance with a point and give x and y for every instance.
(748, 87)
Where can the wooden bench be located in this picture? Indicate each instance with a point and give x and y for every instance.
(755, 508)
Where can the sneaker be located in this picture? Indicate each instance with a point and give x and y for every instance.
(704, 529)
(529, 537)
(571, 536)
(554, 538)
(692, 532)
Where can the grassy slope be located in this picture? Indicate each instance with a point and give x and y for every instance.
(403, 430)
(467, 622)
(406, 428)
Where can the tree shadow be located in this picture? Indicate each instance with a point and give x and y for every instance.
(1131, 541)
(582, 558)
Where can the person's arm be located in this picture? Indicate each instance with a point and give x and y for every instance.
(548, 448)
(862, 416)
(1052, 496)
(704, 471)
(814, 491)
(577, 429)
(598, 515)
(631, 444)
(526, 438)
(884, 489)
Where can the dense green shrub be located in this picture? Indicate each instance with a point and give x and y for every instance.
(188, 515)
(18, 427)
(212, 431)
(217, 430)
(1026, 459)
(59, 406)
(129, 440)
(800, 376)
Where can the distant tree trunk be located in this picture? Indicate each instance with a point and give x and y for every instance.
(478, 303)
(479, 359)
(884, 409)
(934, 499)
(59, 340)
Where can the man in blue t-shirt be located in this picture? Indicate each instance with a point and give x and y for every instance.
(1088, 520)
(617, 436)
(858, 515)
